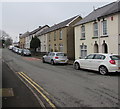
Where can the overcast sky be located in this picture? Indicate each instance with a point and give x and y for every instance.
(19, 17)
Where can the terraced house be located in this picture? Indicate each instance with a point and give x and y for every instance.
(22, 39)
(99, 31)
(60, 37)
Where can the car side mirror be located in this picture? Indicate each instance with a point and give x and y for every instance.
(79, 57)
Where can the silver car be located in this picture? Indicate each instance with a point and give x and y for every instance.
(55, 58)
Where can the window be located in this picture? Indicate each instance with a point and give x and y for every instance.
(61, 54)
(83, 32)
(55, 47)
(83, 51)
(49, 37)
(95, 27)
(49, 48)
(90, 56)
(115, 57)
(104, 27)
(55, 36)
(60, 35)
(61, 47)
(102, 57)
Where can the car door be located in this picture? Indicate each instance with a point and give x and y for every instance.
(87, 62)
(98, 59)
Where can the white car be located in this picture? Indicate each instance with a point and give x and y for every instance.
(104, 63)
(10, 47)
(55, 58)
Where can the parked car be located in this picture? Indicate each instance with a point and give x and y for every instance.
(10, 47)
(19, 51)
(55, 57)
(104, 63)
(15, 49)
(26, 52)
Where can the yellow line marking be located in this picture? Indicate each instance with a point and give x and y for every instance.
(51, 104)
(35, 83)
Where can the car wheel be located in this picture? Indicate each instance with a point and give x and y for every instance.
(103, 70)
(77, 66)
(43, 60)
(52, 62)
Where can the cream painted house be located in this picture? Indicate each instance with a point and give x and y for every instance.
(43, 39)
(99, 32)
(60, 37)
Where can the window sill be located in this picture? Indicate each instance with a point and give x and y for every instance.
(94, 37)
(104, 36)
(82, 39)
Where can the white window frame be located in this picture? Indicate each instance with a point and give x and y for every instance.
(61, 35)
(95, 29)
(83, 51)
(55, 36)
(83, 32)
(104, 27)
(61, 48)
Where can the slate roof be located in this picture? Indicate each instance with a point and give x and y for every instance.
(36, 30)
(101, 12)
(59, 25)
(25, 34)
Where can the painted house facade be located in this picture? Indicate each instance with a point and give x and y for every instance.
(43, 39)
(29, 37)
(22, 39)
(99, 32)
(60, 37)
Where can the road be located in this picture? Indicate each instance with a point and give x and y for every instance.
(66, 87)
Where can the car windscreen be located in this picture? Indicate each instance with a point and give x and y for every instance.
(61, 54)
(115, 57)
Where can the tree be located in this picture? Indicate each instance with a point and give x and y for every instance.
(35, 43)
(5, 39)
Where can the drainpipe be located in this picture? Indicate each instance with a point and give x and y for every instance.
(98, 34)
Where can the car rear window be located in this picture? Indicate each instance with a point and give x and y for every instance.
(60, 54)
(115, 57)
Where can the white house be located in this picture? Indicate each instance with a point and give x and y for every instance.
(32, 34)
(99, 31)
(43, 39)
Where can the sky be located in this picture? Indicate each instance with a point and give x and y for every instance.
(19, 17)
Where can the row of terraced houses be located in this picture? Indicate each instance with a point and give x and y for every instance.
(98, 32)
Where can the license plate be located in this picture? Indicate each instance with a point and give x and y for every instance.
(62, 60)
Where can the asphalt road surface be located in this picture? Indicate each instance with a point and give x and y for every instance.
(66, 87)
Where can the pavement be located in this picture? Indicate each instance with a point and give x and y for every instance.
(14, 91)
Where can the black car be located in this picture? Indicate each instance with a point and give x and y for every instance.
(26, 52)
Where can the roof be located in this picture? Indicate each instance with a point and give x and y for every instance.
(36, 30)
(59, 25)
(24, 35)
(106, 10)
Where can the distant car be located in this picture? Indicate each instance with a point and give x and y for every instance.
(55, 58)
(104, 63)
(26, 52)
(15, 49)
(10, 47)
(19, 51)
